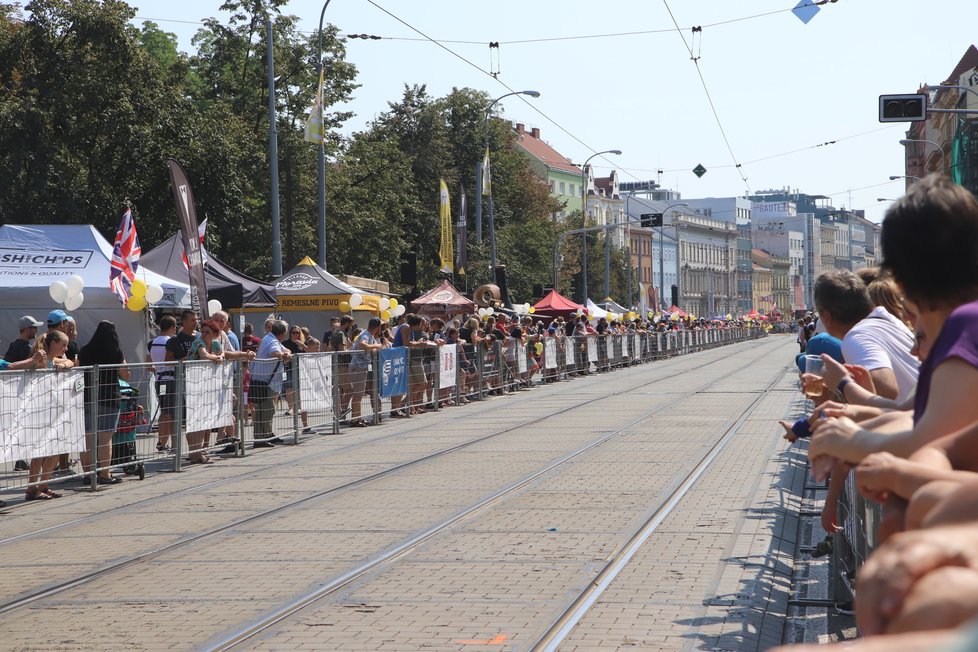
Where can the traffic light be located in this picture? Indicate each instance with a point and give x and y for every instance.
(648, 220)
(903, 108)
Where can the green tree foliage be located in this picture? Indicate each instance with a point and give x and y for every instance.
(91, 107)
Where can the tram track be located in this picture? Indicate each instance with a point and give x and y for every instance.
(483, 408)
(406, 546)
(234, 639)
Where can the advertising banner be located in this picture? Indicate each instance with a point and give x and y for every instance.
(393, 372)
(187, 212)
(550, 353)
(315, 382)
(592, 349)
(521, 358)
(41, 413)
(570, 344)
(209, 395)
(447, 369)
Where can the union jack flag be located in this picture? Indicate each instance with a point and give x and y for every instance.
(125, 257)
(200, 236)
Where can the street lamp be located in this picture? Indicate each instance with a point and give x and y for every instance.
(884, 199)
(662, 269)
(479, 184)
(907, 141)
(895, 177)
(321, 155)
(584, 211)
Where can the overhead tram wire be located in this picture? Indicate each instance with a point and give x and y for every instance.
(500, 81)
(709, 98)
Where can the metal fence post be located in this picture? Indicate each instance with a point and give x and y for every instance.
(436, 381)
(335, 364)
(239, 407)
(375, 385)
(179, 421)
(296, 399)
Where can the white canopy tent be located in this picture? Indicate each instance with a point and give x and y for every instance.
(34, 256)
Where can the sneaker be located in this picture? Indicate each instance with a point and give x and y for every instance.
(21, 465)
(276, 440)
(263, 444)
(823, 548)
(162, 448)
(230, 448)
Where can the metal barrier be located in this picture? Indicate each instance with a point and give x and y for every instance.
(851, 547)
(132, 418)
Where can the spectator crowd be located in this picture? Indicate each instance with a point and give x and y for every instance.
(892, 365)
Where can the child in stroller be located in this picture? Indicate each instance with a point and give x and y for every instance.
(124, 440)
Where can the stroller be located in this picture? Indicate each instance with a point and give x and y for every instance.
(124, 439)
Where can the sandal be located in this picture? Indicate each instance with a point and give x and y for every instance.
(52, 494)
(358, 423)
(36, 494)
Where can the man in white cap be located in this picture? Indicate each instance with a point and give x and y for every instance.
(20, 348)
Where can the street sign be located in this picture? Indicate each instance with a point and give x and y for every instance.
(699, 170)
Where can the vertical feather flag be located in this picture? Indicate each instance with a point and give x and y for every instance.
(462, 232)
(446, 252)
(315, 131)
(201, 229)
(125, 257)
(486, 176)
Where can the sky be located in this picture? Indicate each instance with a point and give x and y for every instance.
(766, 91)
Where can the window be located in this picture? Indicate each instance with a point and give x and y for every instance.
(571, 190)
(551, 186)
(562, 188)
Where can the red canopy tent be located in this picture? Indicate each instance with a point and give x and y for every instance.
(674, 309)
(753, 314)
(555, 305)
(443, 302)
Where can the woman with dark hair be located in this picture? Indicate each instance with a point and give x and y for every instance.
(102, 397)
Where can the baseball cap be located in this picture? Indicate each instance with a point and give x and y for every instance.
(55, 317)
(819, 344)
(26, 322)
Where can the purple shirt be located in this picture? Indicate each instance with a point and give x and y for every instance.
(958, 339)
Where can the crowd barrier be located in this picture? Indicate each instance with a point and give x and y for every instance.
(860, 519)
(137, 417)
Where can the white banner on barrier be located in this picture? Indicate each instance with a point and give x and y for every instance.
(41, 413)
(624, 346)
(209, 396)
(592, 349)
(637, 345)
(447, 369)
(316, 382)
(521, 358)
(570, 345)
(550, 353)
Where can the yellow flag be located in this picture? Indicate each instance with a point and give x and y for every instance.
(315, 132)
(486, 176)
(447, 252)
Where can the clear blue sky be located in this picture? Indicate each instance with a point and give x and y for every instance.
(777, 84)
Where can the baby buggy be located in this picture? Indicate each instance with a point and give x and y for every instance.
(124, 439)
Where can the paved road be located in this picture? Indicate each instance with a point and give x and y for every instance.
(473, 528)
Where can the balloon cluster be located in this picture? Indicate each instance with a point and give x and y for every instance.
(68, 292)
(486, 313)
(524, 309)
(142, 295)
(390, 308)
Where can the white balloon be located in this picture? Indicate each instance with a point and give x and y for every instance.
(213, 306)
(58, 291)
(356, 300)
(482, 312)
(74, 301)
(75, 285)
(399, 310)
(153, 294)
(490, 311)
(385, 303)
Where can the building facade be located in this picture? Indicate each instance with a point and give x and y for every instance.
(707, 263)
(556, 170)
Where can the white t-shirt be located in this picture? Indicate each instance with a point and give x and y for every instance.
(157, 353)
(881, 341)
